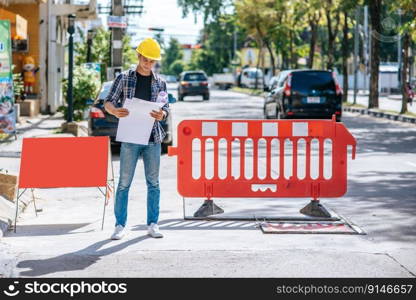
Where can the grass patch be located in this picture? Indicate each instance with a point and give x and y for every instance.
(251, 92)
(349, 104)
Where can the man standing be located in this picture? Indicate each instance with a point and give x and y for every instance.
(144, 84)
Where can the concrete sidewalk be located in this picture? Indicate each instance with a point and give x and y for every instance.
(391, 102)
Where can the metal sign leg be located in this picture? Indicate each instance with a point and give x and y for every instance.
(17, 207)
(105, 204)
(34, 201)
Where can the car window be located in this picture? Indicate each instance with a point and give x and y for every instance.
(105, 90)
(252, 74)
(282, 81)
(273, 83)
(195, 77)
(312, 82)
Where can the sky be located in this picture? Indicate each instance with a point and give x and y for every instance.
(164, 14)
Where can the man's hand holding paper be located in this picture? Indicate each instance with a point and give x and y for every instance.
(137, 125)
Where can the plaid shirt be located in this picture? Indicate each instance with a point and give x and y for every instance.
(124, 87)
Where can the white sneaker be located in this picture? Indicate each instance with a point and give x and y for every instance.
(119, 233)
(153, 231)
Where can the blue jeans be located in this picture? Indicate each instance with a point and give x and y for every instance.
(129, 155)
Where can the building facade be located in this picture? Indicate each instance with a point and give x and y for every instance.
(47, 23)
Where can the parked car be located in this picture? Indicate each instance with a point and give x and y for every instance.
(193, 83)
(249, 76)
(272, 83)
(101, 123)
(304, 94)
(169, 78)
(223, 81)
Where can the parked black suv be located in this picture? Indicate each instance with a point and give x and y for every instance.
(193, 83)
(304, 94)
(101, 123)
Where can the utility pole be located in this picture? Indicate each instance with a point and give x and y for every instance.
(118, 25)
(90, 35)
(356, 41)
(116, 44)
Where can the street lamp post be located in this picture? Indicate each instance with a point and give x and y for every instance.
(90, 36)
(69, 96)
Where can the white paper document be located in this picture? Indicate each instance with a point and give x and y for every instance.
(137, 126)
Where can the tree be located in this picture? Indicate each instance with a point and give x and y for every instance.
(333, 19)
(345, 57)
(259, 17)
(375, 16)
(210, 9)
(313, 15)
(177, 67)
(408, 32)
(347, 7)
(172, 54)
(216, 51)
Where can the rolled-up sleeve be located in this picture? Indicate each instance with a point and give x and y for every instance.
(166, 106)
(116, 91)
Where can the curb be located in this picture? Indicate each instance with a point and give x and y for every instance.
(380, 114)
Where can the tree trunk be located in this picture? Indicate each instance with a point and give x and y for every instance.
(405, 95)
(291, 49)
(269, 48)
(345, 58)
(375, 12)
(284, 63)
(260, 44)
(332, 34)
(312, 43)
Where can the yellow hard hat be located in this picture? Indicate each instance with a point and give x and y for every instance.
(149, 48)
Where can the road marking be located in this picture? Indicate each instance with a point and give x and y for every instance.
(410, 163)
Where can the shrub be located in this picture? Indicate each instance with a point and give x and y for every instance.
(85, 87)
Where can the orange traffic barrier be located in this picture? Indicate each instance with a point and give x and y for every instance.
(59, 162)
(263, 158)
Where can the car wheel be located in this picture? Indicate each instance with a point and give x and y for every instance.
(265, 112)
(279, 115)
(206, 97)
(180, 97)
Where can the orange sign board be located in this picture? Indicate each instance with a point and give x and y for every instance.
(64, 162)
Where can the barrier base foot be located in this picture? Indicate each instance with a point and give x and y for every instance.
(315, 209)
(208, 208)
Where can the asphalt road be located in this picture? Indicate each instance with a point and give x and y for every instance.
(65, 240)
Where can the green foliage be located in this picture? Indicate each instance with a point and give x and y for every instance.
(177, 67)
(18, 87)
(129, 53)
(217, 47)
(100, 50)
(85, 87)
(204, 59)
(171, 58)
(210, 9)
